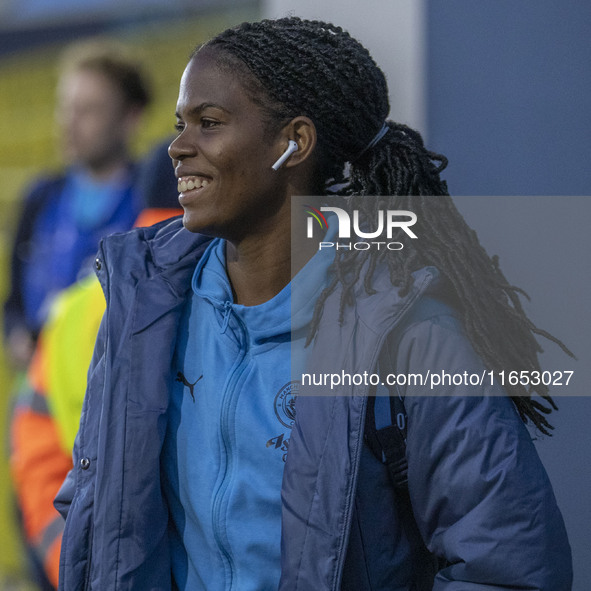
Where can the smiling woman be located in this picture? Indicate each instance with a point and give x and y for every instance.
(222, 142)
(226, 145)
(189, 471)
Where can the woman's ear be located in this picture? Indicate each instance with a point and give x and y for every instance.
(302, 131)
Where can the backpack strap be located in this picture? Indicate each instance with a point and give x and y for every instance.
(388, 444)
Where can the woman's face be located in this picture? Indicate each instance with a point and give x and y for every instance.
(223, 155)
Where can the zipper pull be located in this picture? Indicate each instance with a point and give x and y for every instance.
(227, 312)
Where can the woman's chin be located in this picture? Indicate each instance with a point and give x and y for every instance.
(192, 224)
(197, 225)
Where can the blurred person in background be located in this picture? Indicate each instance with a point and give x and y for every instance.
(48, 405)
(101, 96)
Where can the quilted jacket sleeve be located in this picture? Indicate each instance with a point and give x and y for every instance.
(481, 497)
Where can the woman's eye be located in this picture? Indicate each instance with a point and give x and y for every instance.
(207, 123)
(179, 127)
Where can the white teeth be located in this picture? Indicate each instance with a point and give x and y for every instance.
(192, 183)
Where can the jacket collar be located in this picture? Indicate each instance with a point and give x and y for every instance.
(170, 243)
(159, 260)
(356, 340)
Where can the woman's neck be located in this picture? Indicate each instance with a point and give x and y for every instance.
(261, 266)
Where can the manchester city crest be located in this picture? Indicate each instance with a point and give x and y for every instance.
(285, 403)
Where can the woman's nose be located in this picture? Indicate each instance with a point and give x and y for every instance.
(181, 148)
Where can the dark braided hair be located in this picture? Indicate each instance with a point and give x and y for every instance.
(294, 67)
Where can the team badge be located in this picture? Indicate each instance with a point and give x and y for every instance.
(285, 403)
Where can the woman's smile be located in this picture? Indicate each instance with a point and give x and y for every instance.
(190, 186)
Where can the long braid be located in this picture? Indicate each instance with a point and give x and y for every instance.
(493, 317)
(295, 67)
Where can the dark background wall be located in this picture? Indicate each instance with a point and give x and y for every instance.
(509, 94)
(509, 103)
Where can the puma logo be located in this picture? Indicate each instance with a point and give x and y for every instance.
(180, 377)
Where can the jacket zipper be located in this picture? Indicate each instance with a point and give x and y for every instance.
(227, 405)
(350, 500)
(88, 568)
(99, 264)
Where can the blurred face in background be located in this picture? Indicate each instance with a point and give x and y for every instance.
(96, 123)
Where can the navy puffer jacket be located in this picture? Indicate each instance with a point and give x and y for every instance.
(481, 498)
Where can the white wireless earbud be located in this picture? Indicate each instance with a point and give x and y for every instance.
(293, 147)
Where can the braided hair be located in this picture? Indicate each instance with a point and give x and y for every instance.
(294, 67)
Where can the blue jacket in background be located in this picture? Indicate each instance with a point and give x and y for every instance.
(58, 234)
(480, 495)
